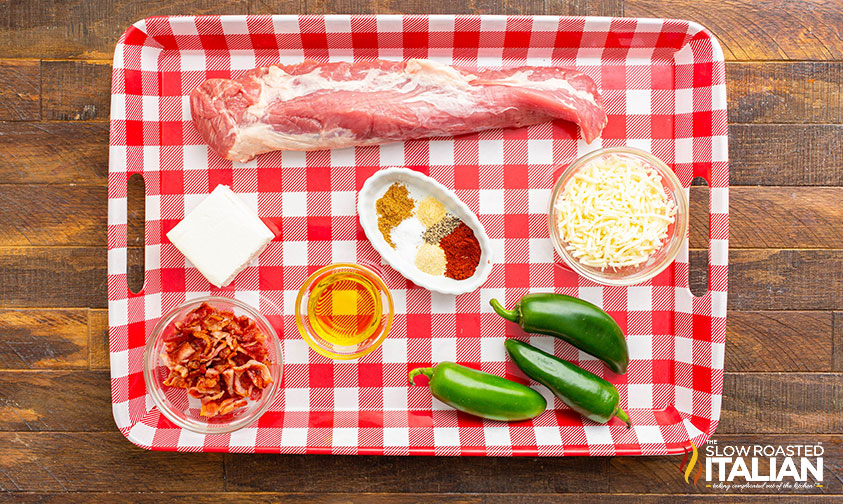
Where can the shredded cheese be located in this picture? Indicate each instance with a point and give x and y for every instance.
(614, 212)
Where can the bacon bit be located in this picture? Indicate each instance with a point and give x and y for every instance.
(230, 404)
(219, 358)
(183, 353)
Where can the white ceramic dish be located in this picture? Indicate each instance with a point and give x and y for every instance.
(419, 183)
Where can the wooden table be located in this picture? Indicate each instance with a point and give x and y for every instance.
(784, 356)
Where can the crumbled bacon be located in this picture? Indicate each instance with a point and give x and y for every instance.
(219, 358)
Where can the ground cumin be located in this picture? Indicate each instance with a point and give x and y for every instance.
(462, 252)
(393, 207)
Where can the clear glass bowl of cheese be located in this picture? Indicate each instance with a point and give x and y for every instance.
(618, 216)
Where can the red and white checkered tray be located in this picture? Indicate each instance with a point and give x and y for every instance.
(663, 85)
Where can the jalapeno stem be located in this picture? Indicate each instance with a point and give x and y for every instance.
(511, 315)
(428, 371)
(623, 416)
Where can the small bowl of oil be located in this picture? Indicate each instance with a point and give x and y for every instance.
(344, 311)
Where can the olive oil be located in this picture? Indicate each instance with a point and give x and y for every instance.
(345, 308)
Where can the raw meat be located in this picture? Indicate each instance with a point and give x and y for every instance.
(312, 106)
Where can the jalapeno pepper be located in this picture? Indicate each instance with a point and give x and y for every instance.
(481, 394)
(584, 392)
(574, 320)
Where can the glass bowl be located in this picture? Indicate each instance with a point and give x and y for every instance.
(175, 403)
(347, 283)
(658, 261)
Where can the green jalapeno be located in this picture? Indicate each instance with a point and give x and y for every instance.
(574, 320)
(481, 394)
(584, 392)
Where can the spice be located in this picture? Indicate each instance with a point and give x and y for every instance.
(429, 211)
(407, 237)
(431, 259)
(436, 241)
(462, 252)
(441, 229)
(393, 207)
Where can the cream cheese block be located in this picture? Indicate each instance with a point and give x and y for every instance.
(221, 236)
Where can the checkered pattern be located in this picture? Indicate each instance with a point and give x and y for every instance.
(663, 85)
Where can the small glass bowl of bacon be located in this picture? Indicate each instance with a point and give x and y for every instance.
(213, 365)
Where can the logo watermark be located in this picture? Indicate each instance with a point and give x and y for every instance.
(755, 466)
(687, 469)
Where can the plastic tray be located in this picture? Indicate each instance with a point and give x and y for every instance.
(663, 85)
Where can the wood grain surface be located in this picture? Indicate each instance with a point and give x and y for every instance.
(784, 352)
(20, 90)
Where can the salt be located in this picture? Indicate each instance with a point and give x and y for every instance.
(407, 237)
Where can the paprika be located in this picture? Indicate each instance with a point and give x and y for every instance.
(462, 252)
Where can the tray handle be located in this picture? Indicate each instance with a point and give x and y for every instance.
(716, 176)
(135, 233)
